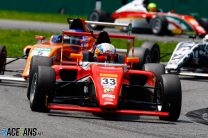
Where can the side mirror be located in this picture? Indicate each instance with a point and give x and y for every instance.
(39, 37)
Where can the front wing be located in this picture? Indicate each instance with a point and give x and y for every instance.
(69, 107)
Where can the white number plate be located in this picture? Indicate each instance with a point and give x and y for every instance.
(41, 51)
(109, 82)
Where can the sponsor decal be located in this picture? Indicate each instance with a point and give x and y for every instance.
(41, 51)
(108, 99)
(108, 103)
(108, 96)
(107, 89)
(108, 75)
(181, 51)
(22, 132)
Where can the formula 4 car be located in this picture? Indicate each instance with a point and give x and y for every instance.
(113, 82)
(51, 48)
(47, 53)
(159, 23)
(190, 58)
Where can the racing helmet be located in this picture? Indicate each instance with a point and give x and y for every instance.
(205, 40)
(57, 38)
(104, 52)
(152, 7)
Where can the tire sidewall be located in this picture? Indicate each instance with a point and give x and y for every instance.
(154, 51)
(159, 25)
(35, 62)
(171, 96)
(3, 56)
(42, 88)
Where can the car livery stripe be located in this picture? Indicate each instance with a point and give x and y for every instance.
(189, 27)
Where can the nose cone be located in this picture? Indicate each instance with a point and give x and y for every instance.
(108, 82)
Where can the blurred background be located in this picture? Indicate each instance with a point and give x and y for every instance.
(84, 7)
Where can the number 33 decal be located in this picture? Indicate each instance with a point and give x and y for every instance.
(108, 81)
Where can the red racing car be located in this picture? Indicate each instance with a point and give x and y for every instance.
(157, 22)
(160, 23)
(109, 83)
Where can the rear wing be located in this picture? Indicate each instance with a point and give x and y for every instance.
(124, 36)
(129, 26)
(127, 36)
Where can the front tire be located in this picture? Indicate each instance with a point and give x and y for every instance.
(35, 62)
(171, 96)
(3, 56)
(41, 91)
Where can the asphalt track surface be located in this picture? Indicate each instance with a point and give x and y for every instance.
(15, 113)
(58, 27)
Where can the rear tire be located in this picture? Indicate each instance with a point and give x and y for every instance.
(154, 51)
(143, 54)
(3, 56)
(35, 62)
(98, 16)
(159, 25)
(41, 91)
(171, 97)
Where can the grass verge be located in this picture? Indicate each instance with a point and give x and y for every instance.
(16, 40)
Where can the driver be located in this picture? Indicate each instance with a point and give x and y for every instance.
(104, 52)
(152, 7)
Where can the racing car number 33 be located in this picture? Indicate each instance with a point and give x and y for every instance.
(108, 82)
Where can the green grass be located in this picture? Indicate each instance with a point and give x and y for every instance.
(46, 17)
(167, 47)
(16, 40)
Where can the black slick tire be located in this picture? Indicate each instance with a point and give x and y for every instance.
(35, 62)
(42, 88)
